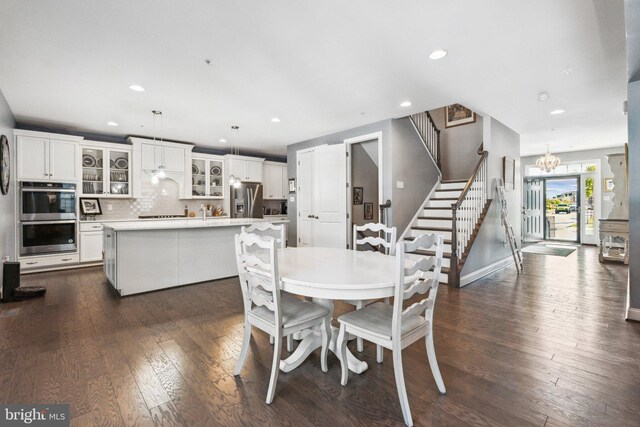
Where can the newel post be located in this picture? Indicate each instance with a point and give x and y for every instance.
(453, 264)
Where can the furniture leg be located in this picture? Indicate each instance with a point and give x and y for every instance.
(341, 346)
(289, 343)
(402, 391)
(433, 362)
(360, 341)
(379, 353)
(326, 336)
(271, 339)
(277, 351)
(245, 347)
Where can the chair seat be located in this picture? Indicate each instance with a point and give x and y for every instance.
(376, 319)
(294, 311)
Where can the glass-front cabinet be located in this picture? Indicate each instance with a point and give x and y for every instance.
(207, 177)
(105, 171)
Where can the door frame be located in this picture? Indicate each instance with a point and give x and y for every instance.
(348, 143)
(578, 178)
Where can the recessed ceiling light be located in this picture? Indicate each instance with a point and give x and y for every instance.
(405, 104)
(438, 54)
(275, 120)
(136, 88)
(223, 140)
(543, 96)
(112, 123)
(556, 112)
(567, 71)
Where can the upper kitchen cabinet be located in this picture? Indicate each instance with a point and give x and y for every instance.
(245, 168)
(207, 176)
(47, 157)
(150, 157)
(275, 181)
(105, 169)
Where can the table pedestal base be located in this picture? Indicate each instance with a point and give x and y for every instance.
(313, 341)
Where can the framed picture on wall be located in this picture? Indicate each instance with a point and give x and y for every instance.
(358, 193)
(508, 172)
(368, 211)
(457, 115)
(607, 184)
(90, 206)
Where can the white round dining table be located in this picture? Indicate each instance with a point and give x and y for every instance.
(327, 274)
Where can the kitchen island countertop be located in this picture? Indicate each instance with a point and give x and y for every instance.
(139, 225)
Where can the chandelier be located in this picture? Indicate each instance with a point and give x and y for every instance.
(548, 162)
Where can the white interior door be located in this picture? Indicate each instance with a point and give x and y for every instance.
(533, 217)
(305, 198)
(589, 207)
(330, 196)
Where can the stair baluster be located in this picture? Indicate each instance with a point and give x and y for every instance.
(430, 134)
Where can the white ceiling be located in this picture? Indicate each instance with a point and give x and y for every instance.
(317, 65)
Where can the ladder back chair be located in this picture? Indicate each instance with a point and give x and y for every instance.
(394, 327)
(384, 237)
(268, 310)
(267, 229)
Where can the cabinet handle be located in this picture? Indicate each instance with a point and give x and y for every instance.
(108, 235)
(67, 259)
(316, 217)
(32, 262)
(310, 216)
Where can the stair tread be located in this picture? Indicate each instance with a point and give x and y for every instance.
(448, 189)
(445, 198)
(429, 253)
(454, 181)
(446, 241)
(437, 218)
(440, 208)
(431, 228)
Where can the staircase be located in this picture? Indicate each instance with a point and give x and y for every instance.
(455, 209)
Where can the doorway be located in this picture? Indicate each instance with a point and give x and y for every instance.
(562, 208)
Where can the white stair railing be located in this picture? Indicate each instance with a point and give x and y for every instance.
(466, 214)
(429, 133)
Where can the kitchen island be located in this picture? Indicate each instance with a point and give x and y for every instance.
(143, 256)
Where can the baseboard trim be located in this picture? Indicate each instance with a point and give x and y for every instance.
(480, 273)
(633, 314)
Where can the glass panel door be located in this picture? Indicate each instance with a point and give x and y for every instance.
(119, 173)
(562, 208)
(198, 177)
(216, 188)
(93, 171)
(590, 209)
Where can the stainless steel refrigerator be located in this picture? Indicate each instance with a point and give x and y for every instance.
(246, 200)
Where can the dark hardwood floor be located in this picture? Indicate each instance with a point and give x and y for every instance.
(547, 348)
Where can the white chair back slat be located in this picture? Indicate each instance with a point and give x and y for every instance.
(267, 229)
(409, 283)
(386, 237)
(259, 279)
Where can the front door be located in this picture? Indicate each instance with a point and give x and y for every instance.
(562, 213)
(533, 211)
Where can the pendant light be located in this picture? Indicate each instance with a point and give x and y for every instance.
(160, 172)
(234, 180)
(548, 162)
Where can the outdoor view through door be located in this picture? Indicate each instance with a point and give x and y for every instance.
(562, 208)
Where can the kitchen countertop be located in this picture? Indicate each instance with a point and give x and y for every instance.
(169, 224)
(196, 218)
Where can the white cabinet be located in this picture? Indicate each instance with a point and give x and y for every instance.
(274, 179)
(245, 168)
(46, 157)
(91, 246)
(106, 170)
(157, 154)
(207, 177)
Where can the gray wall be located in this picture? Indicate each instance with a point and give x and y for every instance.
(458, 145)
(632, 21)
(364, 173)
(7, 203)
(405, 159)
(413, 166)
(605, 170)
(383, 126)
(489, 246)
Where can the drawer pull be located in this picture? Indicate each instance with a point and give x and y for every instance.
(32, 262)
(67, 259)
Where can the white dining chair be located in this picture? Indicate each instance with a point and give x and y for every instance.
(277, 232)
(277, 314)
(383, 237)
(394, 327)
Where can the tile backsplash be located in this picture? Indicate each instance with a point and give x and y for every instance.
(159, 199)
